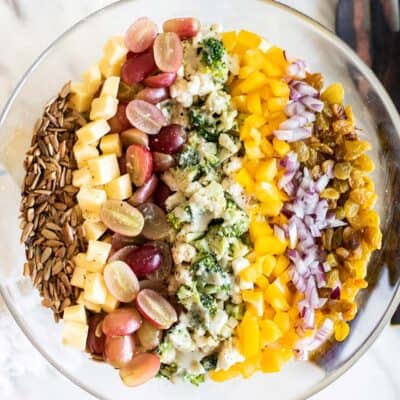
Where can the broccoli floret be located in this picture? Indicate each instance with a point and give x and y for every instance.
(238, 248)
(199, 122)
(206, 262)
(194, 379)
(209, 303)
(187, 296)
(236, 221)
(236, 230)
(209, 363)
(235, 310)
(188, 157)
(166, 352)
(217, 241)
(174, 221)
(212, 52)
(167, 371)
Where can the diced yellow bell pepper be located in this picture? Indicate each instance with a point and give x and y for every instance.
(254, 121)
(255, 136)
(249, 337)
(342, 330)
(253, 58)
(266, 191)
(254, 103)
(271, 70)
(254, 81)
(244, 178)
(229, 39)
(267, 170)
(333, 94)
(224, 375)
(277, 56)
(289, 339)
(282, 262)
(268, 264)
(249, 274)
(270, 331)
(240, 103)
(281, 147)
(249, 39)
(271, 361)
(276, 103)
(272, 208)
(253, 151)
(279, 88)
(274, 296)
(262, 282)
(269, 245)
(256, 299)
(259, 229)
(246, 71)
(249, 367)
(282, 319)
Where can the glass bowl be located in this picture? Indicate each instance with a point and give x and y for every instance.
(302, 37)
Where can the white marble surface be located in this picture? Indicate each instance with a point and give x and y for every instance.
(26, 28)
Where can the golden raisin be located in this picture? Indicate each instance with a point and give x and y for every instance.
(342, 170)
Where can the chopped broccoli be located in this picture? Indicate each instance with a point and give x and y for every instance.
(236, 221)
(174, 221)
(209, 303)
(235, 230)
(166, 352)
(217, 241)
(238, 248)
(167, 370)
(235, 310)
(209, 363)
(187, 296)
(206, 262)
(188, 157)
(194, 379)
(199, 122)
(212, 52)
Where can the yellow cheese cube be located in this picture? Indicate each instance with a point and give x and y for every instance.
(103, 107)
(75, 313)
(78, 277)
(93, 131)
(90, 201)
(111, 144)
(74, 334)
(104, 169)
(81, 177)
(98, 251)
(93, 230)
(88, 305)
(107, 69)
(81, 261)
(110, 304)
(84, 152)
(115, 50)
(80, 100)
(119, 188)
(95, 289)
(92, 79)
(110, 87)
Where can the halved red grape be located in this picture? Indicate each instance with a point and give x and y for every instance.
(122, 322)
(164, 271)
(140, 35)
(169, 140)
(119, 241)
(142, 368)
(145, 116)
(153, 95)
(121, 254)
(184, 27)
(161, 194)
(134, 136)
(119, 122)
(121, 281)
(149, 337)
(168, 52)
(122, 164)
(95, 339)
(139, 163)
(155, 284)
(156, 309)
(163, 80)
(162, 161)
(119, 350)
(121, 217)
(144, 260)
(144, 193)
(135, 69)
(156, 225)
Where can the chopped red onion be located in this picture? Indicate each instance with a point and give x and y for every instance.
(303, 88)
(322, 183)
(335, 294)
(294, 107)
(312, 103)
(297, 69)
(292, 233)
(279, 233)
(294, 135)
(309, 318)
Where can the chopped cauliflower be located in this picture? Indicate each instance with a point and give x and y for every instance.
(228, 356)
(183, 252)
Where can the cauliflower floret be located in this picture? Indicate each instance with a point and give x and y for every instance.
(217, 102)
(236, 191)
(183, 252)
(232, 165)
(205, 343)
(207, 84)
(210, 198)
(174, 200)
(181, 339)
(227, 120)
(229, 143)
(217, 322)
(192, 188)
(228, 356)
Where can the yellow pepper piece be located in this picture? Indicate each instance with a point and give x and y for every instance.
(221, 375)
(276, 103)
(229, 40)
(269, 264)
(262, 282)
(266, 191)
(333, 94)
(256, 299)
(270, 331)
(267, 170)
(271, 360)
(282, 319)
(281, 147)
(249, 335)
(342, 330)
(279, 88)
(272, 208)
(249, 39)
(254, 103)
(277, 56)
(254, 121)
(254, 81)
(274, 296)
(259, 229)
(267, 148)
(253, 150)
(253, 58)
(239, 103)
(271, 70)
(282, 262)
(269, 245)
(246, 71)
(244, 178)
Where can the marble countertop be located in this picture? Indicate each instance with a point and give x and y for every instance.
(31, 25)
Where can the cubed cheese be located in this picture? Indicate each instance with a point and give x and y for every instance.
(93, 230)
(75, 313)
(108, 69)
(80, 99)
(111, 144)
(90, 201)
(110, 87)
(119, 188)
(92, 79)
(88, 305)
(84, 152)
(93, 131)
(98, 251)
(95, 289)
(81, 177)
(104, 169)
(115, 50)
(81, 261)
(110, 304)
(103, 107)
(78, 277)
(74, 334)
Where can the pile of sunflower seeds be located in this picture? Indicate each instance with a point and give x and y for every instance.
(51, 221)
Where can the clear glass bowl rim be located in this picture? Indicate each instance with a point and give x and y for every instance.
(390, 108)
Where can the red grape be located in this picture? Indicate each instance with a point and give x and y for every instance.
(122, 322)
(137, 68)
(149, 337)
(153, 95)
(121, 254)
(119, 122)
(139, 162)
(184, 27)
(143, 194)
(169, 140)
(132, 136)
(95, 339)
(156, 309)
(145, 260)
(168, 52)
(163, 80)
(119, 350)
(164, 272)
(140, 35)
(156, 225)
(142, 368)
(161, 194)
(162, 161)
(145, 116)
